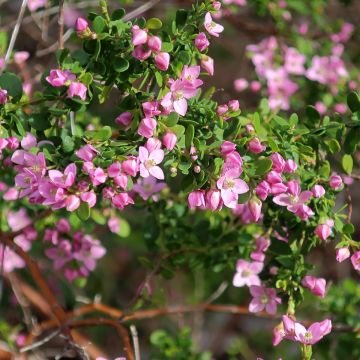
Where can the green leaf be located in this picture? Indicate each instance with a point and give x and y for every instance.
(99, 24)
(40, 121)
(352, 140)
(280, 121)
(325, 169)
(347, 163)
(353, 101)
(86, 78)
(125, 229)
(273, 145)
(68, 144)
(118, 14)
(171, 119)
(154, 24)
(167, 47)
(179, 130)
(99, 135)
(333, 146)
(159, 79)
(83, 211)
(189, 136)
(121, 65)
(12, 84)
(181, 17)
(348, 229)
(262, 166)
(312, 114)
(184, 57)
(3, 42)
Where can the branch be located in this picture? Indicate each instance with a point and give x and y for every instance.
(15, 31)
(61, 24)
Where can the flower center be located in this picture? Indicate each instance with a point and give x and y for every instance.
(264, 299)
(308, 336)
(178, 95)
(229, 184)
(149, 164)
(246, 273)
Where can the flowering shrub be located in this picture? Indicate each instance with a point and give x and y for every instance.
(208, 187)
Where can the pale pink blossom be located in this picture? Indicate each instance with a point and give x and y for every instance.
(247, 273)
(212, 27)
(316, 285)
(196, 199)
(342, 254)
(355, 260)
(58, 77)
(148, 187)
(263, 299)
(201, 42)
(149, 162)
(77, 89)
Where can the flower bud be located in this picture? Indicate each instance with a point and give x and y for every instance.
(147, 127)
(316, 285)
(196, 199)
(213, 200)
(124, 119)
(234, 105)
(207, 63)
(263, 190)
(254, 146)
(342, 254)
(162, 61)
(139, 36)
(323, 231)
(3, 97)
(201, 42)
(318, 191)
(335, 182)
(154, 43)
(169, 140)
(255, 206)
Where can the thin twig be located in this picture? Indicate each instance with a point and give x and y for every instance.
(350, 207)
(135, 340)
(16, 30)
(41, 342)
(221, 289)
(61, 24)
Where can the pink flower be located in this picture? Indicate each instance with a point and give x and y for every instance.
(294, 199)
(342, 254)
(316, 285)
(231, 186)
(255, 208)
(141, 53)
(313, 334)
(212, 27)
(169, 140)
(263, 190)
(149, 162)
(241, 84)
(335, 182)
(190, 75)
(355, 260)
(254, 146)
(147, 127)
(323, 231)
(97, 176)
(290, 166)
(124, 119)
(162, 61)
(213, 200)
(263, 299)
(294, 61)
(262, 244)
(318, 191)
(139, 36)
(87, 153)
(278, 162)
(58, 77)
(82, 27)
(207, 63)
(151, 108)
(154, 43)
(247, 273)
(255, 86)
(72, 202)
(89, 197)
(121, 200)
(21, 56)
(66, 179)
(33, 5)
(227, 147)
(148, 187)
(234, 105)
(114, 169)
(13, 143)
(77, 89)
(201, 42)
(196, 199)
(3, 96)
(130, 166)
(114, 225)
(176, 99)
(28, 141)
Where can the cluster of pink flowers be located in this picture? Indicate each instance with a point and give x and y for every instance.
(75, 254)
(59, 78)
(18, 221)
(145, 45)
(292, 330)
(328, 70)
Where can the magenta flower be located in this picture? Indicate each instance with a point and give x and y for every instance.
(355, 260)
(231, 186)
(121, 200)
(335, 182)
(318, 191)
(77, 89)
(313, 334)
(202, 42)
(148, 187)
(263, 299)
(66, 179)
(212, 28)
(58, 77)
(176, 99)
(316, 285)
(342, 254)
(247, 273)
(3, 97)
(294, 199)
(255, 146)
(87, 153)
(149, 162)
